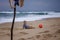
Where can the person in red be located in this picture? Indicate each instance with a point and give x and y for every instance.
(40, 26)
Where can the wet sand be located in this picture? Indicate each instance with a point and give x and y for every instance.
(50, 30)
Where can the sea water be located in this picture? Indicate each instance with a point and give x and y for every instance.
(28, 16)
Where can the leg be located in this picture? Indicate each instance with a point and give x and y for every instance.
(21, 3)
(11, 3)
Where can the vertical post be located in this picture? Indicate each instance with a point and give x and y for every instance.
(13, 22)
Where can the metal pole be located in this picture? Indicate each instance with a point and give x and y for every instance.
(13, 22)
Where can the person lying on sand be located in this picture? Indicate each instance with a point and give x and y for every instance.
(25, 26)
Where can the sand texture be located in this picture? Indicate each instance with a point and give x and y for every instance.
(50, 30)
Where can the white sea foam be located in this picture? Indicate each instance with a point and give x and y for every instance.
(8, 12)
(30, 17)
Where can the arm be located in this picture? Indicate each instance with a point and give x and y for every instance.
(11, 3)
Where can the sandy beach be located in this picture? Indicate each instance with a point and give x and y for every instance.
(50, 30)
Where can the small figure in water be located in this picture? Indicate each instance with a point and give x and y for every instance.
(25, 26)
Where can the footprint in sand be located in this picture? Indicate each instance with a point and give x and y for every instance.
(22, 39)
(58, 39)
(55, 36)
(44, 32)
(37, 36)
(31, 38)
(44, 39)
(47, 35)
(23, 33)
(2, 33)
(8, 34)
(58, 31)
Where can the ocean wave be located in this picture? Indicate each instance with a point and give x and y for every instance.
(8, 12)
(29, 16)
(21, 12)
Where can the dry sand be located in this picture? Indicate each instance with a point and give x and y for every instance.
(50, 30)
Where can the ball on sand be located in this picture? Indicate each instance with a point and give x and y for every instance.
(40, 26)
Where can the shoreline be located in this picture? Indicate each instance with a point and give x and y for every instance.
(50, 30)
(31, 20)
(45, 21)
